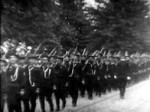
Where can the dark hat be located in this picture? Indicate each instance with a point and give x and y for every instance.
(76, 54)
(90, 56)
(24, 58)
(33, 57)
(83, 57)
(118, 58)
(13, 55)
(3, 61)
(59, 57)
(52, 57)
(44, 56)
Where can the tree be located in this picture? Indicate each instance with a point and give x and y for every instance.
(32, 21)
(119, 24)
(73, 15)
(116, 24)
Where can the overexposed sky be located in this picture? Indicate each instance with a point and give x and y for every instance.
(91, 3)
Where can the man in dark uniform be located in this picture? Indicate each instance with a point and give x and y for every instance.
(103, 80)
(107, 74)
(60, 77)
(82, 80)
(38, 81)
(74, 78)
(123, 68)
(33, 81)
(23, 71)
(3, 65)
(115, 64)
(14, 84)
(89, 76)
(46, 88)
(98, 78)
(67, 66)
(110, 73)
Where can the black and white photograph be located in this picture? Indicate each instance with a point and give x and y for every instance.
(75, 56)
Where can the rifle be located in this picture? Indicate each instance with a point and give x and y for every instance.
(37, 49)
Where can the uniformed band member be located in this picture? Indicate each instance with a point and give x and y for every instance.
(3, 65)
(14, 82)
(24, 78)
(24, 92)
(46, 82)
(82, 81)
(75, 71)
(89, 73)
(60, 78)
(123, 67)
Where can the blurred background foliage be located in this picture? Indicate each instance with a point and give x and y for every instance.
(113, 24)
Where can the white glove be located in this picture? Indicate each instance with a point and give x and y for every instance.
(37, 90)
(83, 82)
(128, 78)
(66, 84)
(54, 87)
(115, 77)
(22, 92)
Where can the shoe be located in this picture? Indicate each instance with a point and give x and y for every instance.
(52, 110)
(57, 109)
(74, 104)
(90, 98)
(122, 97)
(64, 105)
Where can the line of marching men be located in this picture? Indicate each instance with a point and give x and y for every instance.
(26, 78)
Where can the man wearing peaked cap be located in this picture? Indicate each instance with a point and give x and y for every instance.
(91, 59)
(46, 88)
(89, 76)
(123, 68)
(3, 64)
(33, 59)
(59, 76)
(24, 92)
(22, 60)
(44, 59)
(53, 60)
(74, 78)
(13, 58)
(36, 80)
(83, 59)
(15, 82)
(81, 84)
